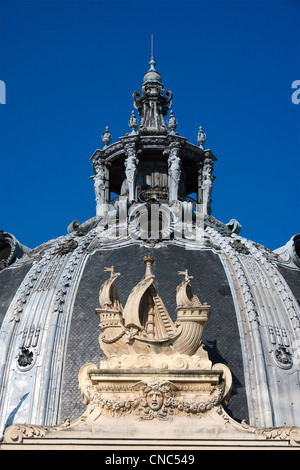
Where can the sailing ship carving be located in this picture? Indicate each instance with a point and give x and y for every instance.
(144, 324)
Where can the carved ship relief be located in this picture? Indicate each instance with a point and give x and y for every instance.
(144, 324)
(155, 372)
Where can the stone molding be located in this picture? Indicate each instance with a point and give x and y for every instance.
(258, 289)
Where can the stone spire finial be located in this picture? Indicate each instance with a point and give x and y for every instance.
(172, 123)
(201, 138)
(152, 105)
(133, 123)
(152, 62)
(148, 260)
(106, 137)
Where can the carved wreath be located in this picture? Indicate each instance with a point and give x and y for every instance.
(156, 401)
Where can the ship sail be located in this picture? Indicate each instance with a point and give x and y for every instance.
(108, 296)
(132, 308)
(185, 296)
(145, 309)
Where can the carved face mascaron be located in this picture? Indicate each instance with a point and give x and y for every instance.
(155, 392)
(155, 400)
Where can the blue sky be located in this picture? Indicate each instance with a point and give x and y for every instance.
(70, 68)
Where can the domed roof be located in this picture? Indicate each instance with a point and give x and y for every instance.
(48, 296)
(152, 75)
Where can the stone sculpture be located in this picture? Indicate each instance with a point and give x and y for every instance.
(201, 138)
(131, 170)
(207, 185)
(99, 186)
(172, 123)
(144, 325)
(133, 123)
(106, 137)
(155, 372)
(174, 171)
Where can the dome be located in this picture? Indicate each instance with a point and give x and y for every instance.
(152, 75)
(50, 295)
